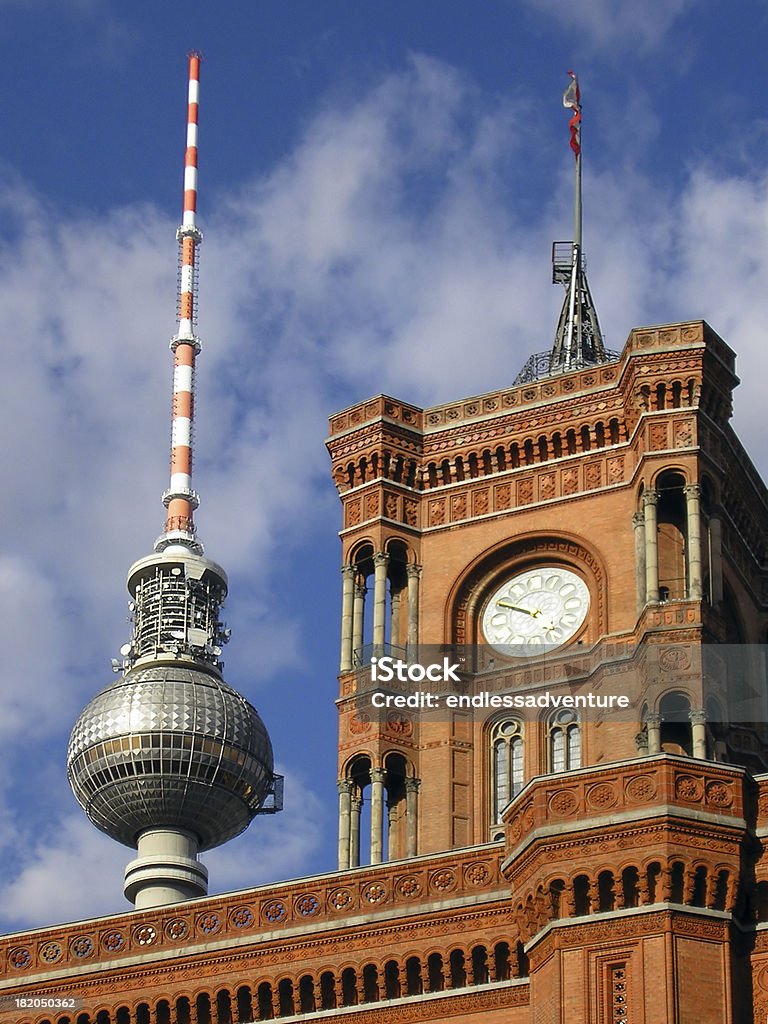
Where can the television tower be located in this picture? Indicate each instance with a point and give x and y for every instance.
(169, 759)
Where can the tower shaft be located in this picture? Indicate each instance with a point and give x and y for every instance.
(180, 499)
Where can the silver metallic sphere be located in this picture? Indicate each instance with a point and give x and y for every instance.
(168, 745)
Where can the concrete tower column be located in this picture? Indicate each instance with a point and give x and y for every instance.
(347, 613)
(638, 526)
(356, 805)
(377, 814)
(716, 558)
(414, 576)
(358, 616)
(380, 565)
(345, 821)
(698, 721)
(411, 816)
(693, 547)
(650, 501)
(166, 869)
(653, 723)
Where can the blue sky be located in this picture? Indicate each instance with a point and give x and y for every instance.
(380, 185)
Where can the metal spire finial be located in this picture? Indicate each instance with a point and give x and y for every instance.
(578, 340)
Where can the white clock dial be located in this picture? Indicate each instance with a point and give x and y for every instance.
(535, 611)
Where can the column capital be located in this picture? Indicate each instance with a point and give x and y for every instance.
(349, 570)
(378, 774)
(641, 741)
(638, 519)
(653, 720)
(697, 716)
(412, 785)
(360, 588)
(650, 497)
(413, 571)
(381, 558)
(344, 787)
(692, 490)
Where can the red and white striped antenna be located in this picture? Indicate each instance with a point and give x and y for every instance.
(180, 499)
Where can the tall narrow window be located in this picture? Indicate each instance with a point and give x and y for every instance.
(564, 742)
(507, 765)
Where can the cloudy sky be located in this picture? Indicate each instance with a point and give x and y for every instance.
(380, 186)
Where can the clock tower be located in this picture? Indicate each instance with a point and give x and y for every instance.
(586, 516)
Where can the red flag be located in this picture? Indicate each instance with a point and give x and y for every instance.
(572, 100)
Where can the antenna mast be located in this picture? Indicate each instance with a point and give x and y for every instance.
(180, 499)
(578, 340)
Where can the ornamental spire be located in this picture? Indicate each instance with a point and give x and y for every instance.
(578, 340)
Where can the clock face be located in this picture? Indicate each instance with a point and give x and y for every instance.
(535, 611)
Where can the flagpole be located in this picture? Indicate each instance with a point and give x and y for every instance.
(577, 201)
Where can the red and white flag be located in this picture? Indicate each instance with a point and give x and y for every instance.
(572, 100)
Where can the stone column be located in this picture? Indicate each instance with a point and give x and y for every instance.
(414, 576)
(380, 564)
(715, 558)
(358, 617)
(338, 989)
(650, 501)
(394, 625)
(591, 895)
(653, 723)
(356, 804)
(347, 613)
(345, 821)
(698, 720)
(411, 816)
(693, 540)
(392, 819)
(423, 983)
(377, 814)
(638, 526)
(689, 884)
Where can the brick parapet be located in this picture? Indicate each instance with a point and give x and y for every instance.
(333, 901)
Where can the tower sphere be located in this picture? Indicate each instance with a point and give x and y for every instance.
(169, 745)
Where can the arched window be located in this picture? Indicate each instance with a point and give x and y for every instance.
(506, 764)
(564, 742)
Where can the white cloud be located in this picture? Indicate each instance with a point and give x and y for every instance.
(50, 886)
(608, 23)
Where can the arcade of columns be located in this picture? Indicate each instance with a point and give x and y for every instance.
(354, 592)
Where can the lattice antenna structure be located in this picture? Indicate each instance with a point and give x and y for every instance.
(578, 341)
(169, 759)
(180, 499)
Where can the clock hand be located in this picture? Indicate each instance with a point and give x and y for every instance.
(519, 608)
